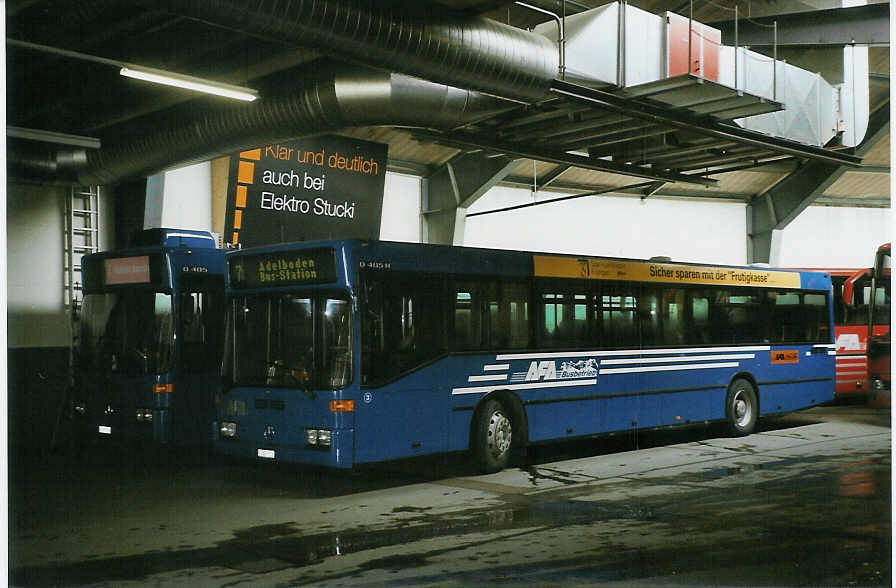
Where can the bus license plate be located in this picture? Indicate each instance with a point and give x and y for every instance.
(105, 430)
(266, 453)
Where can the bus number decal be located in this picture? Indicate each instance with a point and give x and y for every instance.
(786, 356)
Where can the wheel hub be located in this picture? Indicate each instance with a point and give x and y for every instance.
(500, 434)
(743, 412)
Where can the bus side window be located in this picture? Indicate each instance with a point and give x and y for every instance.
(650, 318)
(699, 332)
(674, 319)
(787, 320)
(616, 307)
(817, 316)
(507, 326)
(466, 319)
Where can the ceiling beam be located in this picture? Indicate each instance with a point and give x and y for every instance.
(777, 207)
(862, 25)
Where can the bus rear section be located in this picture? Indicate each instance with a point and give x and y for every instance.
(879, 345)
(149, 342)
(290, 390)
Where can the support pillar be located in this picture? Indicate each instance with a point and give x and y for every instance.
(454, 187)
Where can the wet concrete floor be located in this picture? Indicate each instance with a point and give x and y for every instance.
(804, 502)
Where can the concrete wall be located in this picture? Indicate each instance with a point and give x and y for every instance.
(34, 250)
(180, 198)
(823, 236)
(401, 209)
(709, 232)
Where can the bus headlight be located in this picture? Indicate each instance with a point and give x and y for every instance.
(144, 415)
(227, 430)
(318, 437)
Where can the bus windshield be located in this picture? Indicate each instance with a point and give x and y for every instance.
(129, 332)
(289, 340)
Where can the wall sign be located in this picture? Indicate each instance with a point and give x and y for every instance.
(327, 187)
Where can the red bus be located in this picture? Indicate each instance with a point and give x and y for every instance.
(851, 330)
(863, 369)
(878, 302)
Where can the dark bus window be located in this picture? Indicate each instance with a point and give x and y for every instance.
(506, 325)
(798, 317)
(565, 311)
(650, 318)
(467, 316)
(201, 320)
(674, 319)
(700, 328)
(737, 316)
(402, 323)
(616, 308)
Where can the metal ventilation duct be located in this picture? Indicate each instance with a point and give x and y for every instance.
(412, 38)
(338, 96)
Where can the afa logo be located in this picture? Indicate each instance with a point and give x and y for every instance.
(547, 370)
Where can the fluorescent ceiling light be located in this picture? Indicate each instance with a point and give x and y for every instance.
(190, 83)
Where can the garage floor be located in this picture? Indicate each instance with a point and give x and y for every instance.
(805, 502)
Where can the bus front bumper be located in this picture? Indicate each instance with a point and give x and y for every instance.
(336, 454)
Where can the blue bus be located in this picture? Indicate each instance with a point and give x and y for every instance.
(151, 330)
(350, 352)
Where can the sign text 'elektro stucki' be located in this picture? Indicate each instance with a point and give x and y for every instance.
(318, 188)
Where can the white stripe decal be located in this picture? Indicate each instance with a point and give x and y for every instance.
(630, 352)
(188, 235)
(487, 378)
(496, 367)
(850, 373)
(832, 353)
(674, 359)
(669, 368)
(532, 386)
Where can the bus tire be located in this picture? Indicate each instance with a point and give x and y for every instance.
(495, 436)
(742, 408)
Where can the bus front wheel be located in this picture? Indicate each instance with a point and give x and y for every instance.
(493, 437)
(742, 408)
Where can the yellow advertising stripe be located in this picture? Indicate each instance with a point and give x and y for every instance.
(644, 271)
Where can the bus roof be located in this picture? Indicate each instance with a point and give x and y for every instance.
(400, 256)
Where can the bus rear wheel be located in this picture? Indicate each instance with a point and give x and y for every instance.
(742, 408)
(493, 437)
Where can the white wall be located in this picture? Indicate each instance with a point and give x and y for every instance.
(708, 232)
(180, 198)
(34, 256)
(824, 236)
(401, 208)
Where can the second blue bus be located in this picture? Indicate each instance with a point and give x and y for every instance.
(149, 354)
